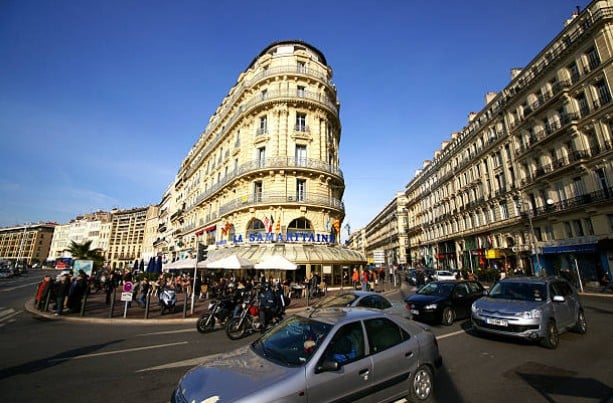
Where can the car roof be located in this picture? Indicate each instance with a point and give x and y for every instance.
(527, 279)
(338, 315)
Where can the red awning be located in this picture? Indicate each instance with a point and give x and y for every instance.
(210, 228)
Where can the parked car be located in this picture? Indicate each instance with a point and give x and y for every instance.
(411, 276)
(331, 354)
(444, 275)
(361, 299)
(5, 272)
(444, 301)
(532, 308)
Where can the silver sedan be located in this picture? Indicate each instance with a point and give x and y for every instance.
(330, 354)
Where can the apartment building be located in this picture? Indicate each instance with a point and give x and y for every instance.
(127, 236)
(264, 176)
(88, 227)
(527, 183)
(27, 244)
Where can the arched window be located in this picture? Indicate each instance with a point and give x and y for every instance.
(256, 225)
(300, 225)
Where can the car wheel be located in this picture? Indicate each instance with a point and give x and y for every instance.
(581, 325)
(552, 338)
(422, 384)
(448, 316)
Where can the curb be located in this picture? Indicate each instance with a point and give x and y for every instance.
(29, 306)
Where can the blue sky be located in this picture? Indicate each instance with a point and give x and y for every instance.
(101, 100)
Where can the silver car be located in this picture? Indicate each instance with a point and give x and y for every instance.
(532, 308)
(331, 354)
(362, 299)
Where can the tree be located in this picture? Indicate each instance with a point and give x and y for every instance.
(83, 251)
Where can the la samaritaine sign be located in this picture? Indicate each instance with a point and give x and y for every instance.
(288, 237)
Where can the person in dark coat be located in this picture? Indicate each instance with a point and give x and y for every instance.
(77, 290)
(61, 292)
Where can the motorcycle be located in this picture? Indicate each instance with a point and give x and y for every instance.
(219, 311)
(168, 300)
(247, 320)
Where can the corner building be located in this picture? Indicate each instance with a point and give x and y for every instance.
(264, 178)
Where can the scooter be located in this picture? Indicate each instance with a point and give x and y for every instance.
(219, 311)
(168, 300)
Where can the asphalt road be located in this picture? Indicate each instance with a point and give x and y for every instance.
(62, 361)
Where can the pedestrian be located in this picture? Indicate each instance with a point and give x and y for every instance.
(76, 291)
(61, 293)
(355, 278)
(144, 290)
(44, 288)
(365, 280)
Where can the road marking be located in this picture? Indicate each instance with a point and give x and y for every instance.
(6, 312)
(168, 332)
(19, 286)
(443, 336)
(185, 363)
(127, 350)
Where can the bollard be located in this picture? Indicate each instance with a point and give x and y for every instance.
(147, 304)
(112, 303)
(84, 302)
(47, 300)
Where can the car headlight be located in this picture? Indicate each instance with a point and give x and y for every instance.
(430, 307)
(533, 314)
(474, 309)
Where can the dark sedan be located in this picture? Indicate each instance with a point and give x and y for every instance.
(444, 301)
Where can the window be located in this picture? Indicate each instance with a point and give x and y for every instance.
(584, 108)
(257, 191)
(568, 229)
(301, 125)
(261, 157)
(300, 189)
(577, 228)
(263, 128)
(578, 186)
(593, 58)
(573, 70)
(604, 96)
(301, 67)
(347, 344)
(383, 334)
(589, 228)
(264, 94)
(301, 155)
(300, 92)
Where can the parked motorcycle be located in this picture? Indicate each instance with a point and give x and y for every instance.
(247, 320)
(168, 300)
(219, 311)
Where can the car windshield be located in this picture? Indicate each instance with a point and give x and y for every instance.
(293, 342)
(518, 291)
(338, 300)
(438, 289)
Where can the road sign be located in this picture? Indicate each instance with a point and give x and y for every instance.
(128, 286)
(126, 296)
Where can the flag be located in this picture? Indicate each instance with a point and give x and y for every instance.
(272, 221)
(278, 228)
(266, 223)
(328, 225)
(337, 226)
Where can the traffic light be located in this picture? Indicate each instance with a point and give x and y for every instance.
(202, 252)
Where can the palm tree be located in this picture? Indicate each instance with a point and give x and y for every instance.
(83, 251)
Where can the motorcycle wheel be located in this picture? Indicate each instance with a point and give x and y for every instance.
(235, 330)
(206, 323)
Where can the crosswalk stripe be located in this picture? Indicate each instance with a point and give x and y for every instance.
(6, 312)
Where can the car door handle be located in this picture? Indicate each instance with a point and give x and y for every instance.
(408, 354)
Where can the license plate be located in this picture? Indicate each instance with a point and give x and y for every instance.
(414, 312)
(497, 322)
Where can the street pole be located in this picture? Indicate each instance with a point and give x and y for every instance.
(533, 236)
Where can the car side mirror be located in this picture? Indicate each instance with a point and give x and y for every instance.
(558, 298)
(328, 365)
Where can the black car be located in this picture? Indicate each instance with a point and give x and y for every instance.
(444, 301)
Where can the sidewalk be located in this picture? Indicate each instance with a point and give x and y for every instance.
(96, 310)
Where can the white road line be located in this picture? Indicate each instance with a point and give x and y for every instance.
(128, 350)
(443, 336)
(7, 316)
(6, 312)
(185, 363)
(18, 286)
(168, 332)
